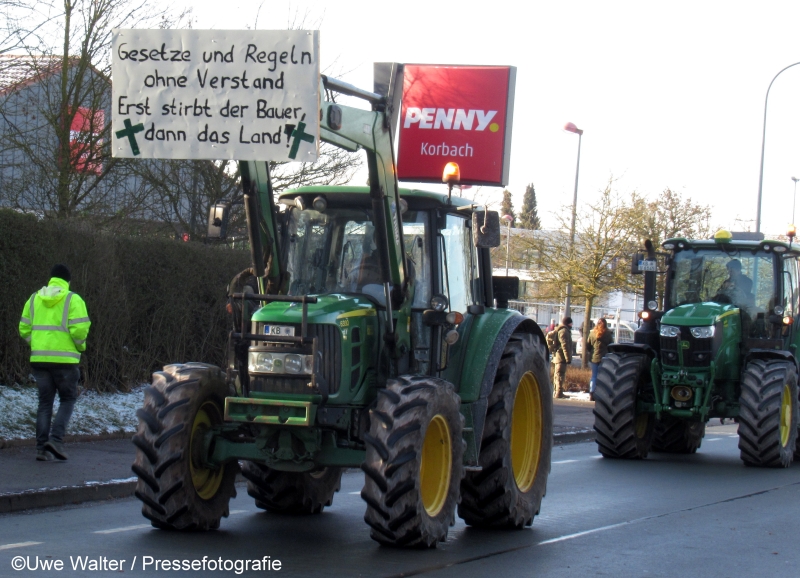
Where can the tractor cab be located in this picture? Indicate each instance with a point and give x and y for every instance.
(709, 283)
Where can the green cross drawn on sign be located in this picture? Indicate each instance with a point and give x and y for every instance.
(298, 134)
(129, 131)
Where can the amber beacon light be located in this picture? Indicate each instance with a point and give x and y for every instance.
(451, 176)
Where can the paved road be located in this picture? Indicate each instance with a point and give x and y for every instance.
(704, 515)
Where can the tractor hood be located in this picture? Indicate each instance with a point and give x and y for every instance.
(326, 310)
(696, 314)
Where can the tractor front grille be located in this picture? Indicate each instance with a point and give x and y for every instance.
(329, 344)
(698, 353)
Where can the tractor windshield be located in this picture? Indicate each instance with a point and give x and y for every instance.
(335, 252)
(742, 278)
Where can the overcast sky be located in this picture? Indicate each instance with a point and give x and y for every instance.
(669, 94)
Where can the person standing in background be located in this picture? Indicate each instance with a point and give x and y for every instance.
(599, 340)
(55, 324)
(562, 357)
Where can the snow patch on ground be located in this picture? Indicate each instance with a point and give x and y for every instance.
(94, 413)
(581, 395)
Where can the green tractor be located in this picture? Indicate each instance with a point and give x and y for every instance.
(369, 333)
(724, 346)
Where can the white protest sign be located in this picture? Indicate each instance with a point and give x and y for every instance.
(216, 94)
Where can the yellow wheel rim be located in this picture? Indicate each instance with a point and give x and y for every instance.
(642, 421)
(526, 432)
(786, 415)
(435, 465)
(206, 481)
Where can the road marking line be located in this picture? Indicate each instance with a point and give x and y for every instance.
(19, 545)
(713, 439)
(565, 461)
(584, 533)
(125, 529)
(232, 512)
(596, 458)
(355, 493)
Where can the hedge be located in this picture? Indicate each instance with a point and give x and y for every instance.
(151, 301)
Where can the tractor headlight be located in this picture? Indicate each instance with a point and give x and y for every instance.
(670, 331)
(293, 363)
(702, 332)
(261, 362)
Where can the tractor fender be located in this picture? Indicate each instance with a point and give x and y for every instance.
(480, 362)
(639, 348)
(780, 355)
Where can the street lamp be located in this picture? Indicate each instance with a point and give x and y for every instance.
(794, 200)
(763, 139)
(570, 127)
(509, 219)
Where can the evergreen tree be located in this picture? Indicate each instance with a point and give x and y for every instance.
(529, 216)
(507, 208)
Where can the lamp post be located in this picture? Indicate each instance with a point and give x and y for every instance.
(509, 219)
(763, 139)
(794, 199)
(570, 127)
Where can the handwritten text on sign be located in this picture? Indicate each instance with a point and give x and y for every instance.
(210, 94)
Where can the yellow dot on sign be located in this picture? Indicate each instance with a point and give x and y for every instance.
(494, 127)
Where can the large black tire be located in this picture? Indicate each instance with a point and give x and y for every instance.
(768, 413)
(677, 436)
(623, 379)
(293, 493)
(413, 467)
(178, 493)
(516, 443)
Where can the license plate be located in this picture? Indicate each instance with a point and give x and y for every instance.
(279, 330)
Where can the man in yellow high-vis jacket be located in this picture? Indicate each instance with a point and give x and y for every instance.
(55, 323)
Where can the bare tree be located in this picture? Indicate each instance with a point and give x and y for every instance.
(56, 157)
(670, 215)
(595, 265)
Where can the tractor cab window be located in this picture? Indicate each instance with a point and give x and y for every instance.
(740, 278)
(336, 252)
(790, 289)
(415, 240)
(458, 263)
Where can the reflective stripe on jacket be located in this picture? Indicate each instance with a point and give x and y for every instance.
(55, 323)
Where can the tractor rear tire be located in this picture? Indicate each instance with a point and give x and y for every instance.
(622, 379)
(292, 493)
(516, 443)
(178, 493)
(768, 414)
(413, 467)
(677, 436)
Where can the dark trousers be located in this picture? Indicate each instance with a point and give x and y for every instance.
(64, 380)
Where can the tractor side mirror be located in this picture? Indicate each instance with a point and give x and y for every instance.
(486, 229)
(218, 222)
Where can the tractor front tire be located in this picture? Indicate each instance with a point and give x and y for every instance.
(768, 414)
(413, 467)
(516, 443)
(622, 432)
(292, 493)
(677, 436)
(180, 406)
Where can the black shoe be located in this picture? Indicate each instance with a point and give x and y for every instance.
(57, 449)
(43, 456)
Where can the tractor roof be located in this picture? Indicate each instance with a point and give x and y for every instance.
(416, 198)
(732, 242)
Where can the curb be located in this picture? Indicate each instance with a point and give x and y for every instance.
(69, 495)
(573, 437)
(118, 435)
(49, 497)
